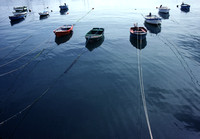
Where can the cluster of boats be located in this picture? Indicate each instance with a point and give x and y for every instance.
(19, 13)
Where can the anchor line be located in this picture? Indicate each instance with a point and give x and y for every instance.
(142, 86)
(45, 92)
(21, 55)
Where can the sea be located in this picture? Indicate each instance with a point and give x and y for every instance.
(68, 88)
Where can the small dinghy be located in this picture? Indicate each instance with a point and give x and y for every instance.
(63, 30)
(95, 34)
(44, 13)
(185, 7)
(138, 32)
(16, 17)
(63, 7)
(152, 19)
(163, 9)
(20, 9)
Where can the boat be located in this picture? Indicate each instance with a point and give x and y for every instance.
(153, 19)
(19, 13)
(13, 22)
(155, 29)
(139, 44)
(163, 9)
(20, 9)
(16, 17)
(164, 15)
(91, 45)
(63, 7)
(185, 7)
(95, 34)
(44, 13)
(138, 32)
(63, 30)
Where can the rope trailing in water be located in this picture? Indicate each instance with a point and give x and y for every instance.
(181, 59)
(83, 16)
(45, 92)
(3, 19)
(21, 55)
(15, 47)
(24, 65)
(142, 87)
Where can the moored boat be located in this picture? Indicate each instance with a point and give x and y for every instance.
(163, 9)
(138, 32)
(153, 19)
(95, 34)
(185, 7)
(63, 30)
(16, 17)
(20, 9)
(44, 13)
(63, 7)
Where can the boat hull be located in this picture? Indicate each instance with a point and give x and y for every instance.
(163, 10)
(59, 32)
(95, 34)
(153, 21)
(16, 17)
(135, 32)
(185, 8)
(19, 13)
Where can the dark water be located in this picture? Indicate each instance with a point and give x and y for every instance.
(95, 93)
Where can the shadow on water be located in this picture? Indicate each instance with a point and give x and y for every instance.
(139, 44)
(44, 17)
(91, 45)
(164, 15)
(63, 39)
(63, 12)
(16, 21)
(155, 29)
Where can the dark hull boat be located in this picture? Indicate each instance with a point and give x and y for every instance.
(185, 7)
(63, 30)
(95, 34)
(63, 7)
(155, 29)
(17, 17)
(138, 32)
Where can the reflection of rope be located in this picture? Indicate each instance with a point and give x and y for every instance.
(181, 59)
(142, 86)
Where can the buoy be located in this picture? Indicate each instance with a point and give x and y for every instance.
(67, 13)
(177, 6)
(51, 10)
(92, 8)
(29, 10)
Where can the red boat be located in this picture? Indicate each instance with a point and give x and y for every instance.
(63, 30)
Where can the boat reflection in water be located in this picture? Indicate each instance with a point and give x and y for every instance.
(91, 45)
(13, 22)
(63, 12)
(155, 29)
(164, 15)
(63, 39)
(44, 17)
(139, 44)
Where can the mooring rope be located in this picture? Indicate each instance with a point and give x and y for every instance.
(45, 92)
(22, 55)
(142, 85)
(83, 16)
(16, 69)
(15, 47)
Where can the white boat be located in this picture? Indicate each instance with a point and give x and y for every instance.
(19, 13)
(153, 19)
(20, 9)
(163, 9)
(44, 13)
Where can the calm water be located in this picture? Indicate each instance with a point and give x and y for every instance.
(96, 94)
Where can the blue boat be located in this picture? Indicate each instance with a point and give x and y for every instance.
(17, 17)
(63, 7)
(185, 7)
